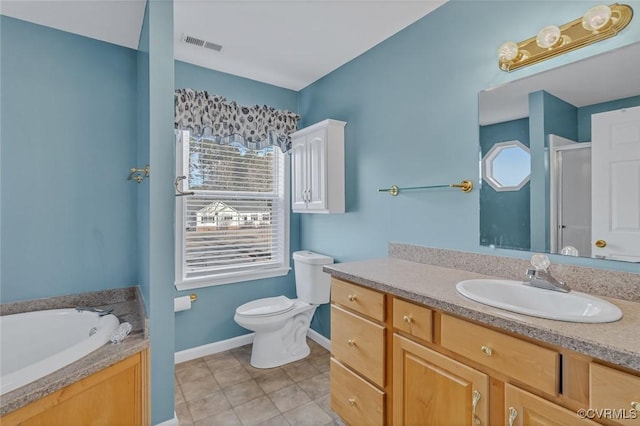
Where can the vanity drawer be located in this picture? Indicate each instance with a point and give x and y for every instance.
(357, 298)
(526, 362)
(355, 400)
(615, 390)
(413, 319)
(358, 343)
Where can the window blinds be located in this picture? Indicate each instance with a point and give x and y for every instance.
(236, 219)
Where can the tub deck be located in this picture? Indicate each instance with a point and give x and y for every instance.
(128, 307)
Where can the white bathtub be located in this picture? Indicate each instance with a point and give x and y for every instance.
(34, 344)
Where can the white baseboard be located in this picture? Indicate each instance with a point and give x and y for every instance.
(236, 342)
(170, 422)
(213, 348)
(319, 339)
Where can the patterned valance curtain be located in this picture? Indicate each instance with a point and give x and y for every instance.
(252, 127)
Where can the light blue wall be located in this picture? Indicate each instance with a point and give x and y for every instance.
(161, 208)
(142, 159)
(68, 140)
(500, 226)
(547, 115)
(411, 107)
(210, 319)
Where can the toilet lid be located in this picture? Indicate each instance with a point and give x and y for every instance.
(265, 307)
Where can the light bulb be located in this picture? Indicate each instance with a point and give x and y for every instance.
(549, 37)
(508, 51)
(596, 18)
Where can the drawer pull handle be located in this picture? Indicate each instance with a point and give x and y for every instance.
(407, 319)
(635, 405)
(513, 413)
(351, 342)
(474, 402)
(352, 297)
(486, 350)
(352, 402)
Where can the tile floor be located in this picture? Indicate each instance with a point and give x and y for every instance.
(225, 390)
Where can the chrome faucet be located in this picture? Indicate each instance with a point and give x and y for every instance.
(540, 277)
(100, 312)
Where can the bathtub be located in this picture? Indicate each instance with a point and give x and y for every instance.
(34, 344)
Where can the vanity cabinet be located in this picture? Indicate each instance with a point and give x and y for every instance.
(358, 354)
(398, 362)
(117, 395)
(317, 168)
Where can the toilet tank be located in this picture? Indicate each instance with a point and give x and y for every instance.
(312, 285)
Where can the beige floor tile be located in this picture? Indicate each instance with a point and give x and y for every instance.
(178, 397)
(309, 414)
(193, 372)
(189, 364)
(316, 349)
(199, 387)
(324, 402)
(183, 413)
(226, 418)
(300, 370)
(231, 376)
(275, 421)
(256, 411)
(315, 386)
(224, 362)
(243, 392)
(320, 362)
(274, 380)
(289, 397)
(208, 406)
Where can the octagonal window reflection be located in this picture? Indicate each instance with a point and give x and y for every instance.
(507, 166)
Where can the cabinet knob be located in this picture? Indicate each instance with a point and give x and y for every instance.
(352, 297)
(635, 405)
(601, 243)
(513, 413)
(351, 342)
(474, 403)
(486, 350)
(352, 401)
(407, 319)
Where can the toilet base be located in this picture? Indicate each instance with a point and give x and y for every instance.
(285, 345)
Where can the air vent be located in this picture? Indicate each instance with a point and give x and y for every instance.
(201, 43)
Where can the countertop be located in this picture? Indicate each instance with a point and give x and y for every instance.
(127, 306)
(434, 286)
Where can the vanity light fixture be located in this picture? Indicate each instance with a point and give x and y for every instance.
(598, 23)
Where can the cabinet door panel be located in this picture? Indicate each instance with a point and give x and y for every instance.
(317, 161)
(430, 389)
(298, 174)
(526, 409)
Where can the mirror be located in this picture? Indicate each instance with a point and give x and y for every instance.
(547, 118)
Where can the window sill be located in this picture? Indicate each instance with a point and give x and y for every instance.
(230, 278)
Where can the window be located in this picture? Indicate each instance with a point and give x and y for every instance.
(507, 166)
(235, 225)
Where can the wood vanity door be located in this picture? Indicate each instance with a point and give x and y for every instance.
(526, 409)
(430, 389)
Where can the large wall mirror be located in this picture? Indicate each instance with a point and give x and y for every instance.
(578, 126)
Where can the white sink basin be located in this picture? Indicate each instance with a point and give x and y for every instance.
(516, 297)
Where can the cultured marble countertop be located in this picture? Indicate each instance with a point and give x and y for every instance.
(434, 286)
(127, 306)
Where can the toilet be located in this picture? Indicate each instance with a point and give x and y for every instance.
(281, 324)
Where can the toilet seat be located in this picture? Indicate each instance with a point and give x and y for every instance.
(266, 307)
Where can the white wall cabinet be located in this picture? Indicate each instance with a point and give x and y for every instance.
(317, 168)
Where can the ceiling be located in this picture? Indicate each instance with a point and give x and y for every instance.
(287, 43)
